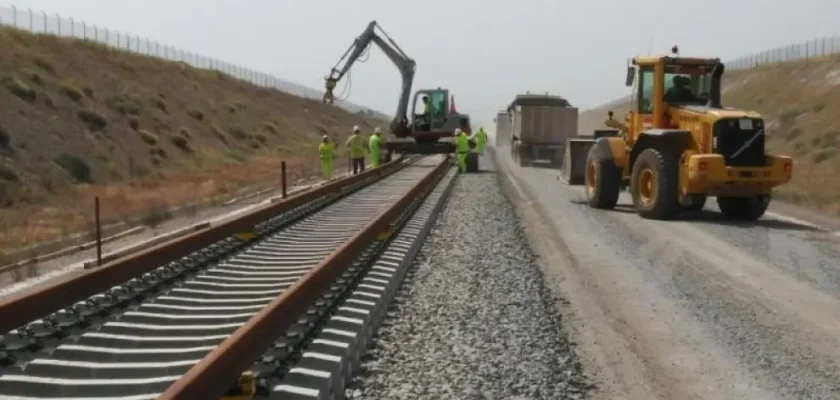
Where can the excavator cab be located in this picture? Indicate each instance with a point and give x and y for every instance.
(438, 105)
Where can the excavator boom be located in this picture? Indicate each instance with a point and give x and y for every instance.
(405, 64)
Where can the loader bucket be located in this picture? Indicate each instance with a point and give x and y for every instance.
(574, 161)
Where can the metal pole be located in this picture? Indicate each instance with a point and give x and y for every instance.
(283, 178)
(98, 234)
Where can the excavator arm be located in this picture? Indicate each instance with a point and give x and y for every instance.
(406, 66)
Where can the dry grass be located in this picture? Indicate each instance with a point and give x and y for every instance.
(79, 120)
(800, 101)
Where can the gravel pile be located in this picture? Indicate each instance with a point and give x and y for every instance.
(473, 320)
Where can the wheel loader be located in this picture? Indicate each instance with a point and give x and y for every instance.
(678, 145)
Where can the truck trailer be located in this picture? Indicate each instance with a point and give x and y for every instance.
(540, 126)
(503, 129)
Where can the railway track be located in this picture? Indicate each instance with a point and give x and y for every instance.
(268, 301)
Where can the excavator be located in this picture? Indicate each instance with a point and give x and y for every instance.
(421, 134)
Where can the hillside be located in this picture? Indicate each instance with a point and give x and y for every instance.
(800, 101)
(78, 119)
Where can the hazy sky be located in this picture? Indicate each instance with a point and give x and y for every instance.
(484, 51)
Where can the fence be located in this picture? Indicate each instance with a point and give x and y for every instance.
(795, 52)
(41, 22)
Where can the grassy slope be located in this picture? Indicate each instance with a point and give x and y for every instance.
(800, 101)
(78, 119)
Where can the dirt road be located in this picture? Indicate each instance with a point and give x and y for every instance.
(698, 308)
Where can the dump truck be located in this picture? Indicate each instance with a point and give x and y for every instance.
(416, 132)
(503, 129)
(540, 126)
(678, 145)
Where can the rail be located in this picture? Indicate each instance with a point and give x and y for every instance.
(28, 306)
(213, 375)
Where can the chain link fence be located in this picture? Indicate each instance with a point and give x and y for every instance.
(809, 50)
(54, 24)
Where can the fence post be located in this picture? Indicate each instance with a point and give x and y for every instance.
(283, 178)
(72, 28)
(31, 21)
(58, 18)
(14, 16)
(98, 233)
(84, 30)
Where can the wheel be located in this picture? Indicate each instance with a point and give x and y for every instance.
(654, 186)
(748, 208)
(602, 179)
(693, 202)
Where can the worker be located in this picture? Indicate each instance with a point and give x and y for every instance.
(681, 91)
(326, 151)
(374, 148)
(481, 140)
(357, 150)
(462, 147)
(427, 111)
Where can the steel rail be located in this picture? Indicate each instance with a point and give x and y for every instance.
(213, 376)
(43, 301)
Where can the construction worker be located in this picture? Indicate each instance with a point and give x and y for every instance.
(357, 150)
(374, 146)
(462, 148)
(326, 151)
(427, 111)
(481, 140)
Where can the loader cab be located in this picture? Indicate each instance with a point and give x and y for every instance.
(439, 99)
(661, 82)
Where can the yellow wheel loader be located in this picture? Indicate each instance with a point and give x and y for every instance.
(678, 145)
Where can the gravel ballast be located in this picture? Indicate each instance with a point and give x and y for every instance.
(472, 320)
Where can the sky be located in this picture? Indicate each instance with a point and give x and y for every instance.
(485, 52)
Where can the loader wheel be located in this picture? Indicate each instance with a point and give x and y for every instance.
(693, 202)
(744, 208)
(602, 180)
(654, 186)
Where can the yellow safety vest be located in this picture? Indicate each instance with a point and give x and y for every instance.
(462, 143)
(357, 149)
(326, 150)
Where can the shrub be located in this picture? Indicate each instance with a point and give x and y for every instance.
(19, 89)
(45, 65)
(270, 127)
(181, 143)
(824, 155)
(219, 133)
(77, 167)
(259, 137)
(239, 133)
(72, 92)
(148, 137)
(159, 103)
(8, 174)
(159, 152)
(5, 138)
(36, 78)
(197, 114)
(124, 105)
(94, 120)
(134, 123)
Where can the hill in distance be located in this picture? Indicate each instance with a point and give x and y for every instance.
(799, 101)
(79, 119)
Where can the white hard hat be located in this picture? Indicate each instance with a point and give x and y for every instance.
(377, 130)
(325, 137)
(356, 128)
(457, 131)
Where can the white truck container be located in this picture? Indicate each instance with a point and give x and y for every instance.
(503, 129)
(540, 126)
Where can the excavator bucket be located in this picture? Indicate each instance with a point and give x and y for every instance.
(574, 159)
